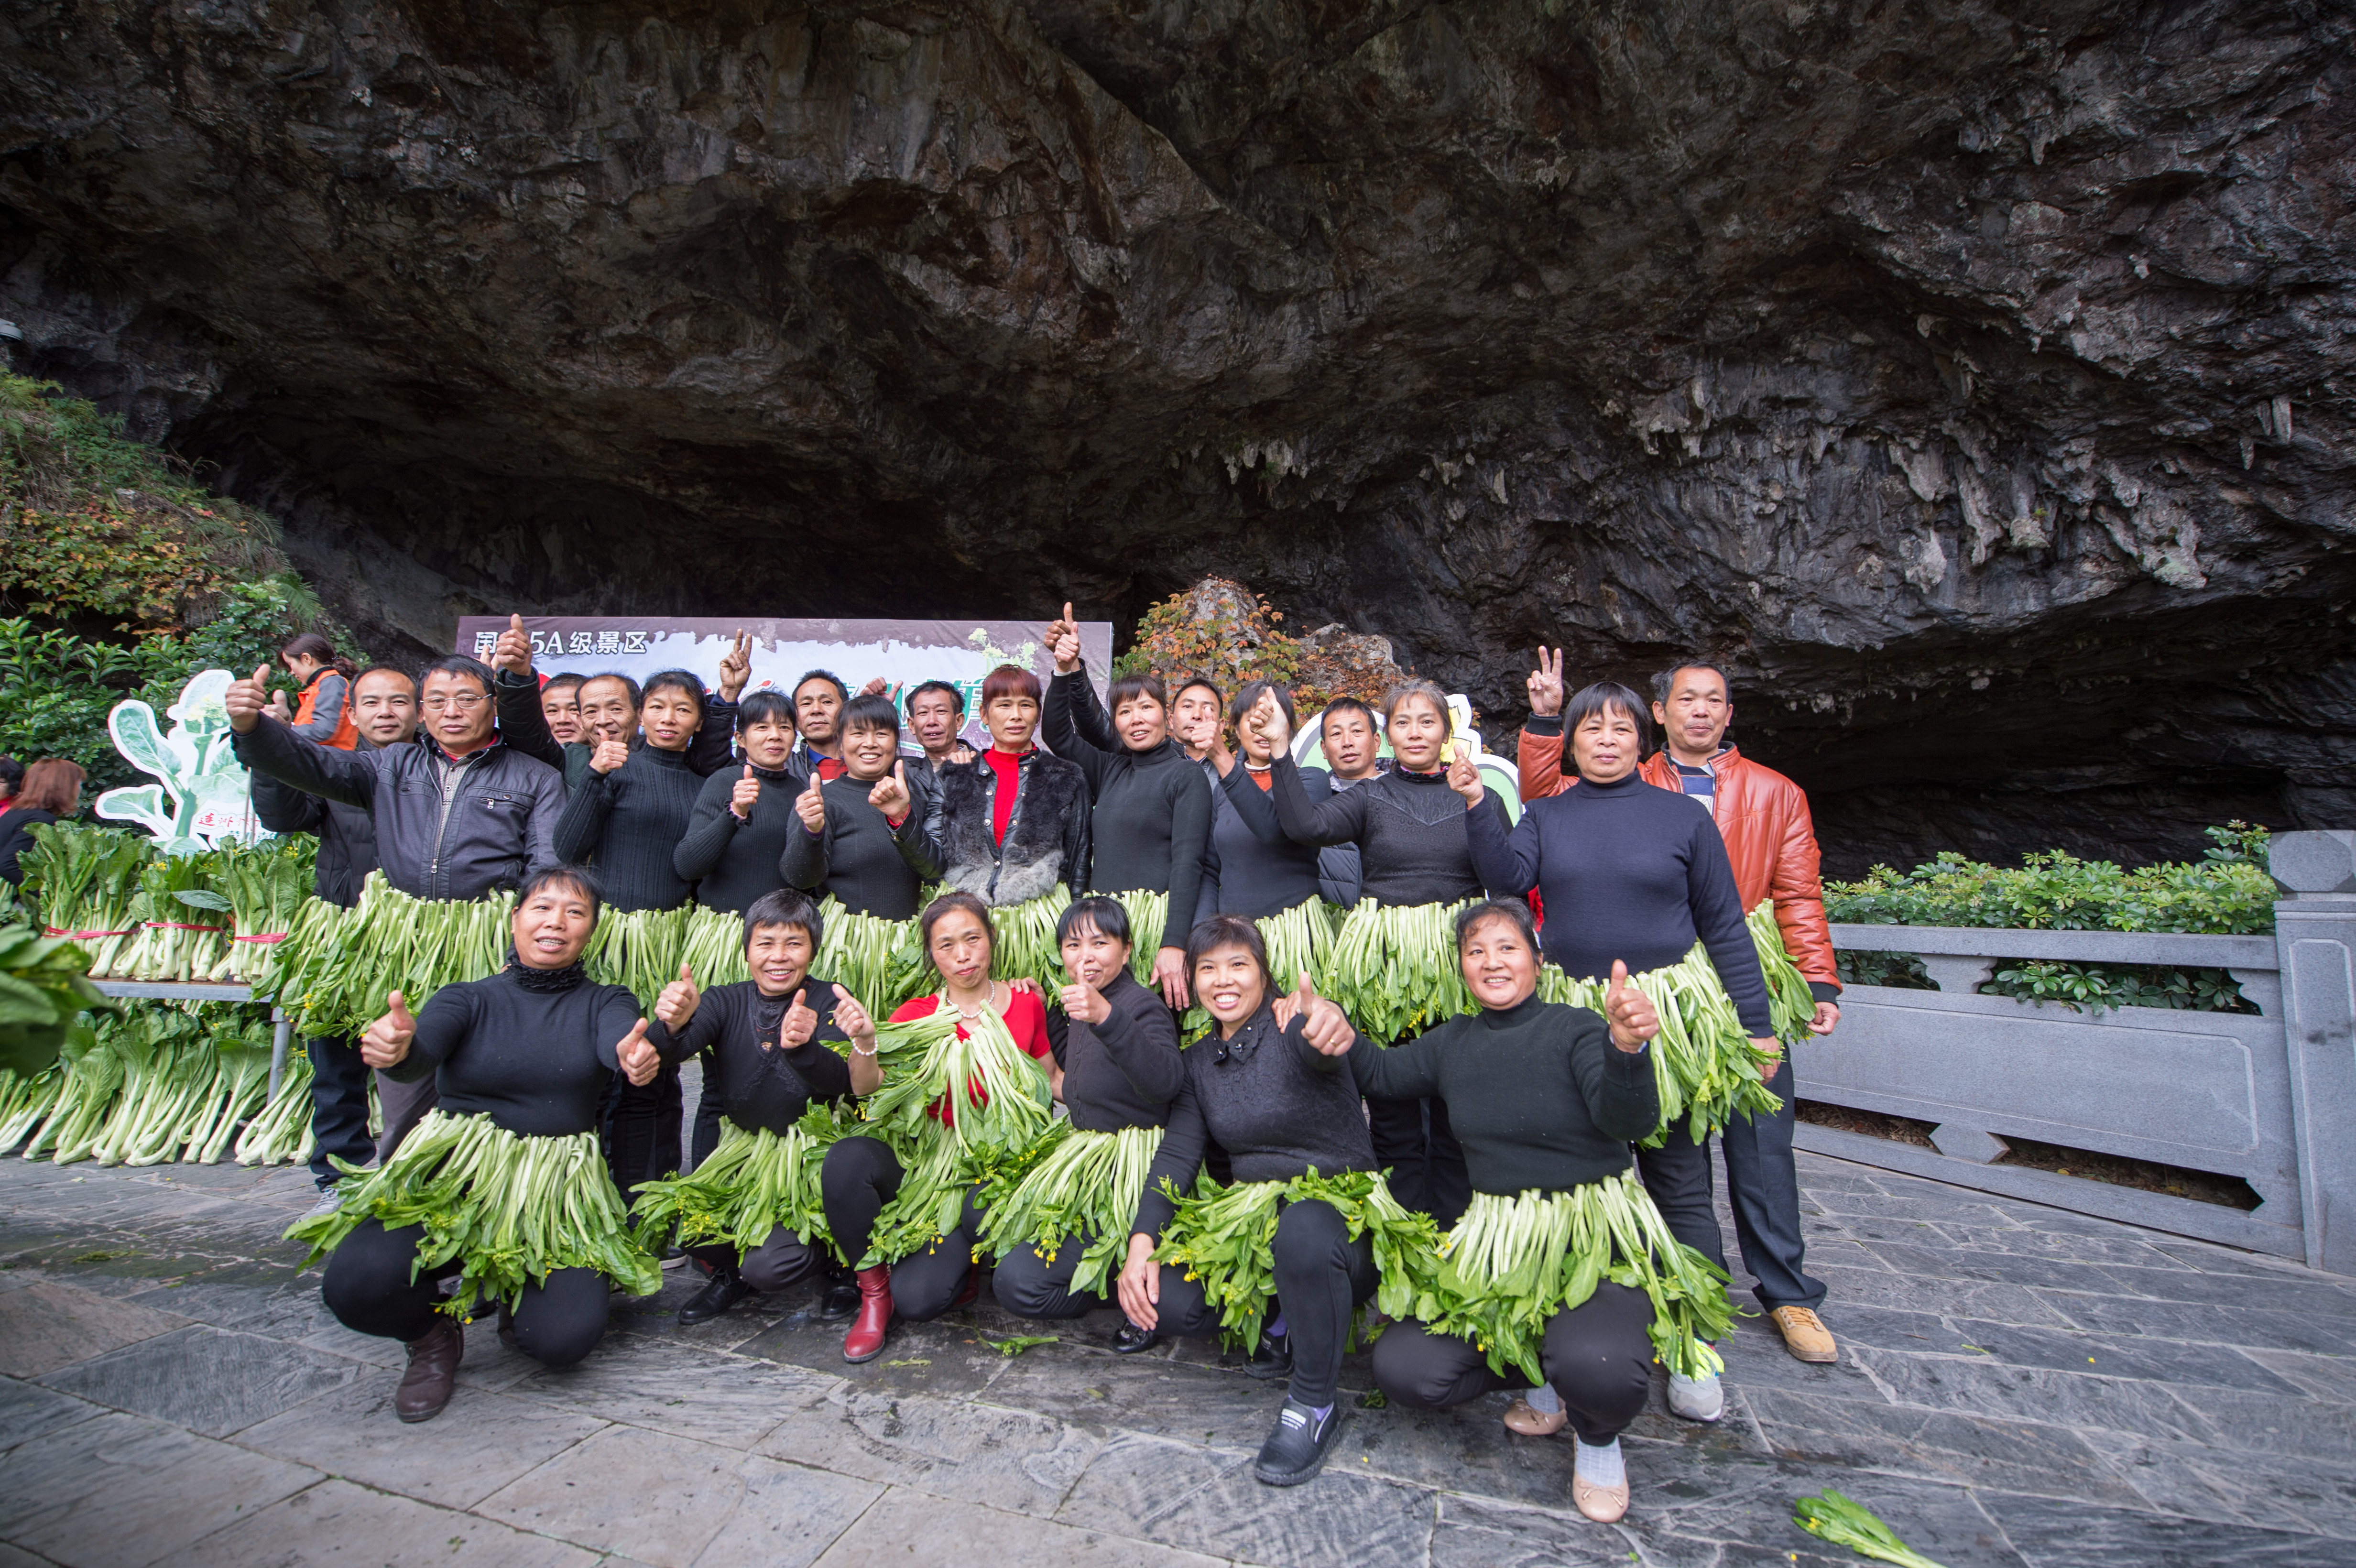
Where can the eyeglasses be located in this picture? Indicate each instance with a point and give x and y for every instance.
(464, 704)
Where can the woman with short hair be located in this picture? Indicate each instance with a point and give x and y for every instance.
(1249, 866)
(744, 813)
(857, 836)
(1012, 823)
(50, 791)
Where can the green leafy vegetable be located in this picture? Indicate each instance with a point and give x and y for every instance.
(41, 992)
(1073, 1184)
(1835, 1517)
(752, 1183)
(1015, 1344)
(1702, 1061)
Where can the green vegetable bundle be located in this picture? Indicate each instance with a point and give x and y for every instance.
(752, 1183)
(1075, 1184)
(1022, 940)
(87, 881)
(391, 942)
(24, 1102)
(184, 1090)
(1393, 969)
(89, 1078)
(1702, 1061)
(280, 1134)
(1791, 1005)
(1148, 913)
(41, 991)
(1224, 1237)
(1513, 1263)
(638, 949)
(1836, 1519)
(877, 960)
(266, 886)
(714, 948)
(183, 920)
(509, 1209)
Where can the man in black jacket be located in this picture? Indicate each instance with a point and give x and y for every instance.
(384, 706)
(455, 816)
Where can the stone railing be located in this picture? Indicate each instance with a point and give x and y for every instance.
(2270, 1098)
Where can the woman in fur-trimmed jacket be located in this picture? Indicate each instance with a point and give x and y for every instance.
(1013, 822)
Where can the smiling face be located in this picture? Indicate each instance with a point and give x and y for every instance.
(1229, 985)
(818, 712)
(1418, 734)
(1012, 720)
(934, 718)
(561, 706)
(1140, 721)
(1092, 956)
(868, 751)
(302, 667)
(1605, 745)
(458, 712)
(765, 742)
(960, 949)
(384, 706)
(671, 718)
(1348, 740)
(779, 956)
(553, 926)
(1500, 968)
(606, 712)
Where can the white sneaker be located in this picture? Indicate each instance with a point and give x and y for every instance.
(331, 1198)
(1697, 1398)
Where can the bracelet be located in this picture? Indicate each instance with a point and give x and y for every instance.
(856, 1052)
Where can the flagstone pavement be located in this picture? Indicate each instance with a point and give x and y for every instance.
(2017, 1386)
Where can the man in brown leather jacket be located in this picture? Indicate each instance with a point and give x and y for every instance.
(1763, 818)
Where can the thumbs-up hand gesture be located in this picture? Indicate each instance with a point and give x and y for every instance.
(247, 699)
(1324, 1026)
(512, 652)
(1268, 722)
(1064, 641)
(679, 1001)
(638, 1056)
(610, 753)
(386, 1043)
(800, 1023)
(1629, 1011)
(876, 686)
(810, 807)
(1546, 685)
(891, 796)
(745, 796)
(278, 709)
(1464, 777)
(1082, 1003)
(737, 665)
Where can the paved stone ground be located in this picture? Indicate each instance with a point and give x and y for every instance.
(2018, 1386)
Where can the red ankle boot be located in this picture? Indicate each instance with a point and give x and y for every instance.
(970, 1292)
(865, 1340)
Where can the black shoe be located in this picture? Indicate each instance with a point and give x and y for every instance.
(726, 1290)
(1273, 1358)
(1130, 1340)
(1296, 1449)
(839, 1300)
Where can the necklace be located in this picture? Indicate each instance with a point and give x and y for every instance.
(988, 1001)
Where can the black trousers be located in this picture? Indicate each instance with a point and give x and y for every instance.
(1031, 1284)
(783, 1260)
(1763, 1186)
(860, 1176)
(404, 1105)
(642, 1128)
(1678, 1174)
(339, 1086)
(1321, 1277)
(557, 1321)
(1414, 1143)
(706, 1136)
(1598, 1356)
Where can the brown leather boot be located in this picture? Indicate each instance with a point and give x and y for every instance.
(433, 1372)
(865, 1340)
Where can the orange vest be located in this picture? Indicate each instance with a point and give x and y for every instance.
(347, 730)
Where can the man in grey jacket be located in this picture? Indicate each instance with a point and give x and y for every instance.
(456, 816)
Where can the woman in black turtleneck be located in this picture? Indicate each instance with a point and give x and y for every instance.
(1634, 873)
(1408, 827)
(744, 813)
(1151, 812)
(533, 1048)
(1544, 1098)
(859, 835)
(1117, 1045)
(769, 1059)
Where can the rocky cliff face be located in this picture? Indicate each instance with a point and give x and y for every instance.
(1970, 377)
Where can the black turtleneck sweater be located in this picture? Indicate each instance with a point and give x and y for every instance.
(1124, 1072)
(761, 1086)
(1630, 872)
(860, 857)
(1538, 1095)
(731, 862)
(1275, 1103)
(532, 1048)
(628, 824)
(1409, 827)
(1152, 811)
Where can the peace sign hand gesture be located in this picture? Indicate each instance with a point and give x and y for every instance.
(1546, 685)
(1629, 1011)
(810, 807)
(736, 666)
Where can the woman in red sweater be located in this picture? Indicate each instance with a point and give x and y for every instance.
(861, 1175)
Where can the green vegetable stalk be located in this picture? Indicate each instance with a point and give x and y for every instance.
(87, 880)
(1702, 1061)
(1023, 943)
(1791, 1005)
(1393, 968)
(1074, 1184)
(1511, 1263)
(91, 1077)
(509, 1211)
(391, 942)
(876, 960)
(280, 1133)
(42, 991)
(1149, 914)
(266, 885)
(1836, 1519)
(752, 1182)
(1224, 1237)
(25, 1103)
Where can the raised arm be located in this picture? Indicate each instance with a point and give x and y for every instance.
(713, 746)
(521, 724)
(1145, 1048)
(274, 751)
(1190, 833)
(1177, 1162)
(711, 829)
(1070, 716)
(1507, 861)
(1408, 1070)
(1337, 819)
(582, 824)
(281, 808)
(539, 826)
(1623, 1095)
(1540, 754)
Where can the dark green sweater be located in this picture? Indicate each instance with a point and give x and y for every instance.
(1538, 1095)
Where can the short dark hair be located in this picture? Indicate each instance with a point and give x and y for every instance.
(1407, 691)
(1134, 685)
(563, 678)
(12, 773)
(874, 712)
(786, 906)
(1666, 681)
(1008, 680)
(395, 671)
(580, 879)
(956, 697)
(1225, 930)
(473, 669)
(956, 897)
(1247, 698)
(685, 680)
(1348, 705)
(827, 676)
(1513, 909)
(1105, 917)
(767, 706)
(1603, 697)
(629, 684)
(1218, 698)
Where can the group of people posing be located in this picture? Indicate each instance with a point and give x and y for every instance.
(596, 792)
